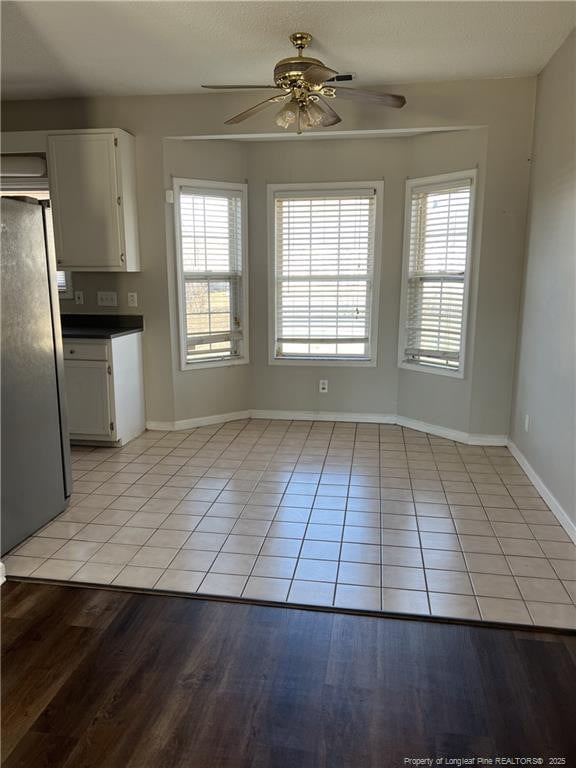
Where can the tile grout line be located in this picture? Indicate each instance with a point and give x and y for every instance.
(419, 538)
(506, 471)
(299, 556)
(345, 517)
(264, 538)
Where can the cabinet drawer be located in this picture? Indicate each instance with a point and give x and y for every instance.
(82, 351)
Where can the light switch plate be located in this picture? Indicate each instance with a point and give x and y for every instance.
(79, 297)
(107, 299)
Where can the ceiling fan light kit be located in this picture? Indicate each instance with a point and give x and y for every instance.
(306, 84)
(287, 115)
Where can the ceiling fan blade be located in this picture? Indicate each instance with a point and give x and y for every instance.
(239, 87)
(254, 110)
(330, 117)
(385, 99)
(342, 77)
(316, 75)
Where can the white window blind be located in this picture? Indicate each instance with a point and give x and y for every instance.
(324, 270)
(211, 273)
(439, 221)
(61, 281)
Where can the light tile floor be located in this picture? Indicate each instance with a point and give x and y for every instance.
(359, 516)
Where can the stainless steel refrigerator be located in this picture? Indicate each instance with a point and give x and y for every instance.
(36, 480)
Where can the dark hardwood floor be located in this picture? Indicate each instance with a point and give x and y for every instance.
(106, 679)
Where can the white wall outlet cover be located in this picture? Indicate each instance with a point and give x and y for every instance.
(323, 386)
(79, 297)
(132, 299)
(107, 298)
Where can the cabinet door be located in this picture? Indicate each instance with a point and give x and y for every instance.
(84, 193)
(88, 390)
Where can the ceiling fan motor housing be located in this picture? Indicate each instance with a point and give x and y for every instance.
(289, 73)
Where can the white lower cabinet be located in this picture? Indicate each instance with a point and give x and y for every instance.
(104, 389)
(90, 405)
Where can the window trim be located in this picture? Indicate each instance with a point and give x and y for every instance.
(438, 181)
(335, 187)
(201, 184)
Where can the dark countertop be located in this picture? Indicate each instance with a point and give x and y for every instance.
(100, 326)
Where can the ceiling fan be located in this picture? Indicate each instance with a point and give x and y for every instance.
(306, 85)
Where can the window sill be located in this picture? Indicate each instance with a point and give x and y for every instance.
(423, 368)
(186, 367)
(320, 362)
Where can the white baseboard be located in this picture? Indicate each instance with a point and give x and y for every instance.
(364, 418)
(560, 513)
(383, 418)
(452, 434)
(200, 421)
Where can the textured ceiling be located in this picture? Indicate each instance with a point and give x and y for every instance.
(52, 49)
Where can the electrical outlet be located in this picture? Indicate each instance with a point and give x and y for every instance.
(526, 422)
(79, 297)
(323, 386)
(107, 298)
(132, 299)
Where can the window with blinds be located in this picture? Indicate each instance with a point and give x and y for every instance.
(210, 248)
(436, 271)
(324, 273)
(62, 281)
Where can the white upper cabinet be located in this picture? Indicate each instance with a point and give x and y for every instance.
(93, 196)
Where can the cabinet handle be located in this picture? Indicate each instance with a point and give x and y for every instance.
(122, 257)
(72, 351)
(109, 371)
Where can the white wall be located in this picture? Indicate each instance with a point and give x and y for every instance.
(545, 379)
(207, 391)
(428, 396)
(350, 389)
(503, 108)
(383, 389)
